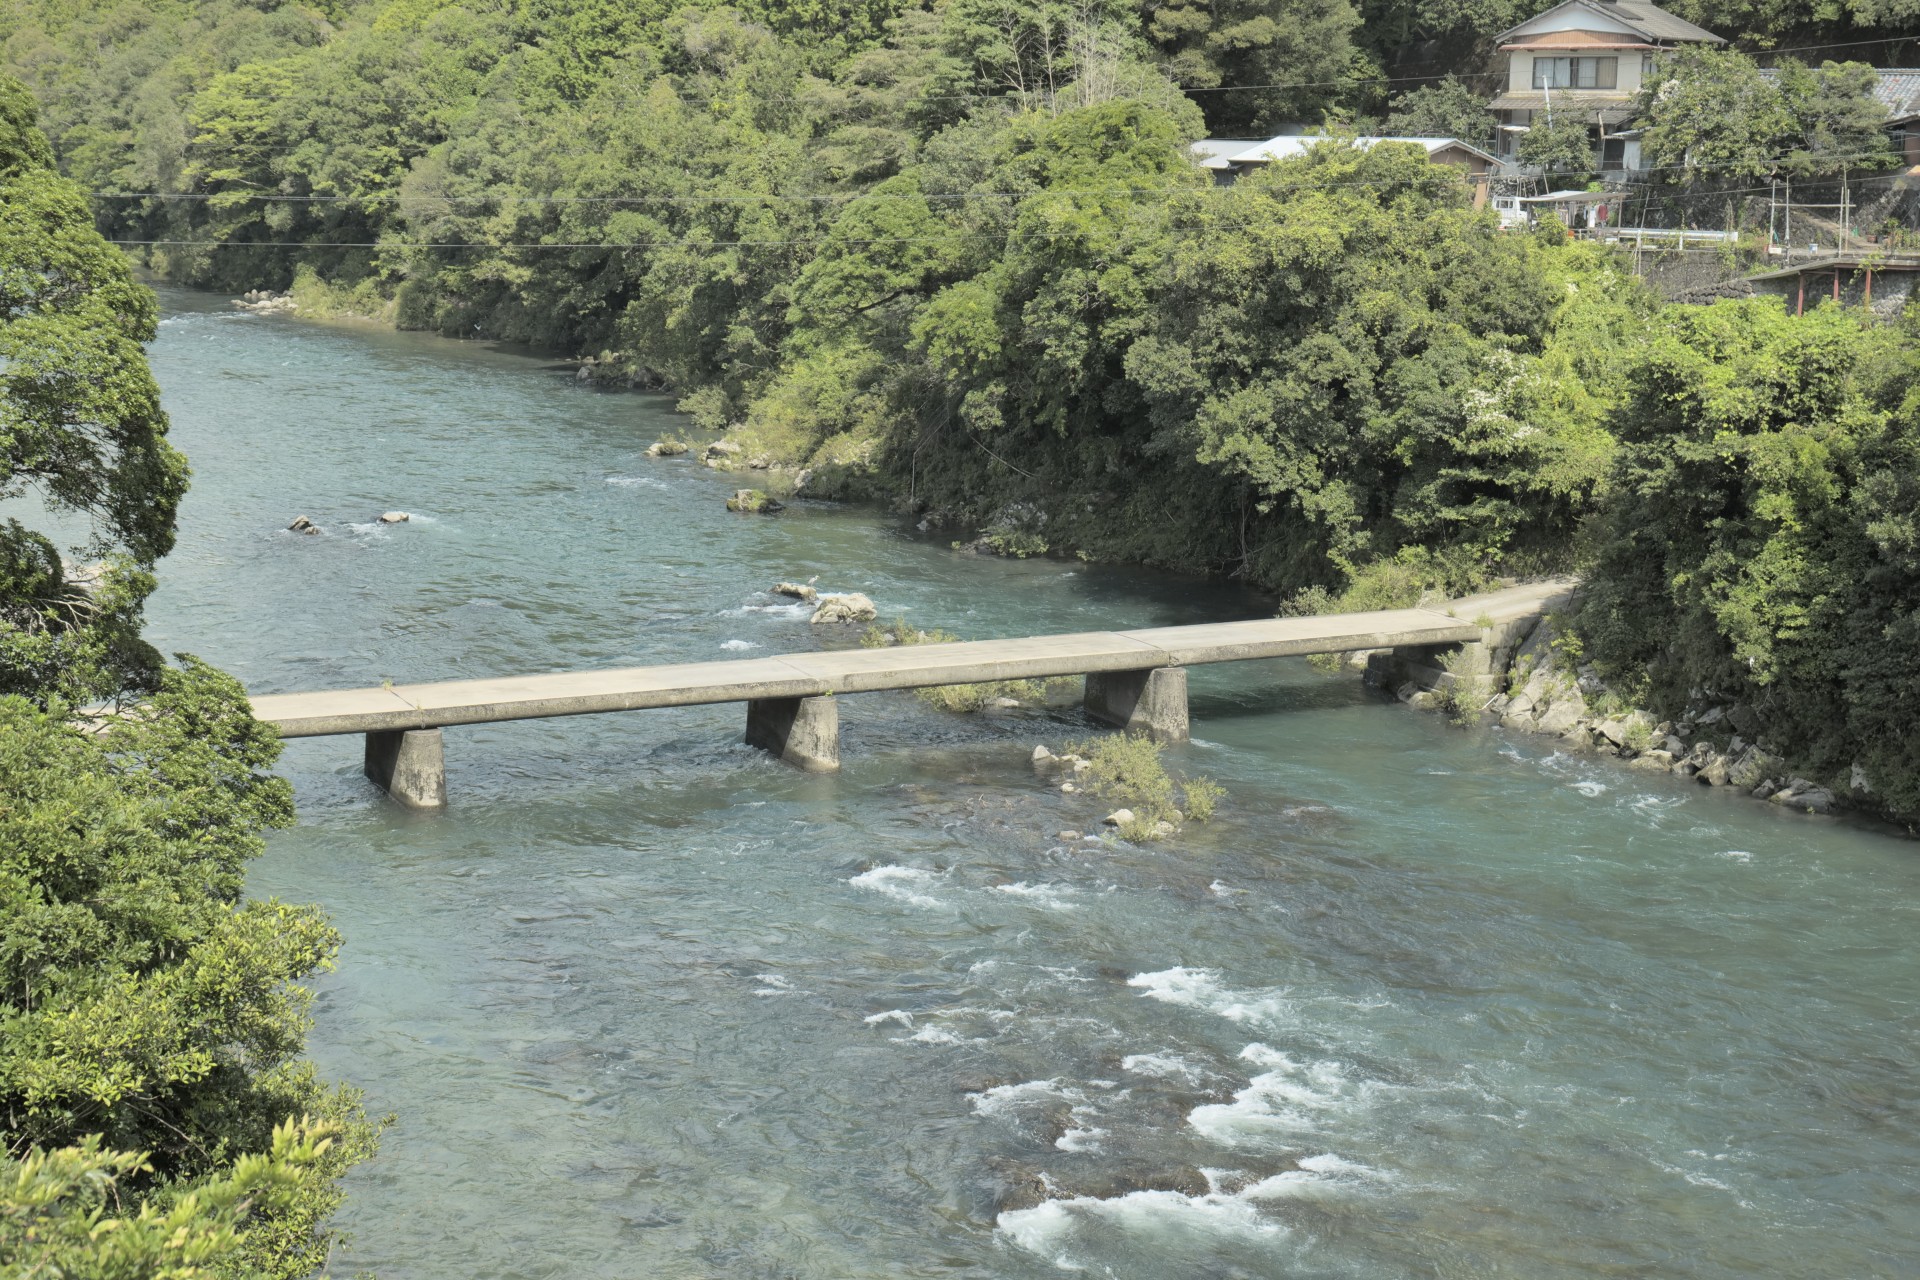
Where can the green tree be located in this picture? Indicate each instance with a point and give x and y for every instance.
(1326, 335)
(1710, 112)
(81, 433)
(1449, 109)
(1761, 546)
(1273, 61)
(1560, 144)
(1838, 124)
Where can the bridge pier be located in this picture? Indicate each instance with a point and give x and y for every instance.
(1153, 701)
(410, 765)
(801, 731)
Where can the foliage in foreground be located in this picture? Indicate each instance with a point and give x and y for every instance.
(1763, 546)
(62, 1213)
(144, 1005)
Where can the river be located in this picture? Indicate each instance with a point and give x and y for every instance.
(1419, 1002)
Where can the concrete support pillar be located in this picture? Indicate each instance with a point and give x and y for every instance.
(410, 765)
(1153, 702)
(801, 731)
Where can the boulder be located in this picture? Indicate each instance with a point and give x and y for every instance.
(1655, 761)
(303, 525)
(798, 590)
(666, 449)
(1857, 781)
(1803, 795)
(1752, 767)
(1041, 755)
(1614, 730)
(1714, 771)
(851, 607)
(1068, 835)
(753, 502)
(1118, 818)
(1003, 704)
(584, 373)
(719, 453)
(394, 517)
(1567, 710)
(1519, 721)
(1423, 701)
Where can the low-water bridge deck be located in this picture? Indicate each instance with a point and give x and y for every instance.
(1135, 679)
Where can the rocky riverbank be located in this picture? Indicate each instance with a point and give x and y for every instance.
(1544, 689)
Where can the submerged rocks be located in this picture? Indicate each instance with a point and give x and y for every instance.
(850, 607)
(754, 502)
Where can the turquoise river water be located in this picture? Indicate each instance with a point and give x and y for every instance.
(1420, 1002)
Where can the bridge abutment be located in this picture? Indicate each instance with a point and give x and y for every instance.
(801, 731)
(1153, 701)
(410, 765)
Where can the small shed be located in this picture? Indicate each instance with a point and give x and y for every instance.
(1229, 158)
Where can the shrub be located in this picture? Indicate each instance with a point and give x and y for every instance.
(1126, 768)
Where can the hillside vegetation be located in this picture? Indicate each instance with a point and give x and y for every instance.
(954, 258)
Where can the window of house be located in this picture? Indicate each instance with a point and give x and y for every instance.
(1576, 73)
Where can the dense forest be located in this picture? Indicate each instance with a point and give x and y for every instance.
(955, 258)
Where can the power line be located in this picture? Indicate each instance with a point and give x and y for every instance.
(751, 198)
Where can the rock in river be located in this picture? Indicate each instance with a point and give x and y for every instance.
(852, 607)
(302, 524)
(394, 517)
(753, 501)
(798, 590)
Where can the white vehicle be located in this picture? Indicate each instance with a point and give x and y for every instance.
(1510, 211)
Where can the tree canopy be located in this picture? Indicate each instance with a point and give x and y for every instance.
(82, 435)
(157, 1120)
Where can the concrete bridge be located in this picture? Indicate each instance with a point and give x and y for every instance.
(1136, 680)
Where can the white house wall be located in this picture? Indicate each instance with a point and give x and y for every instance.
(1520, 69)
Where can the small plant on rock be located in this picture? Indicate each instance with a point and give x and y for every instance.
(1126, 768)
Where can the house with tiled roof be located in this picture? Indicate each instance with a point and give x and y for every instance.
(1898, 90)
(1588, 57)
